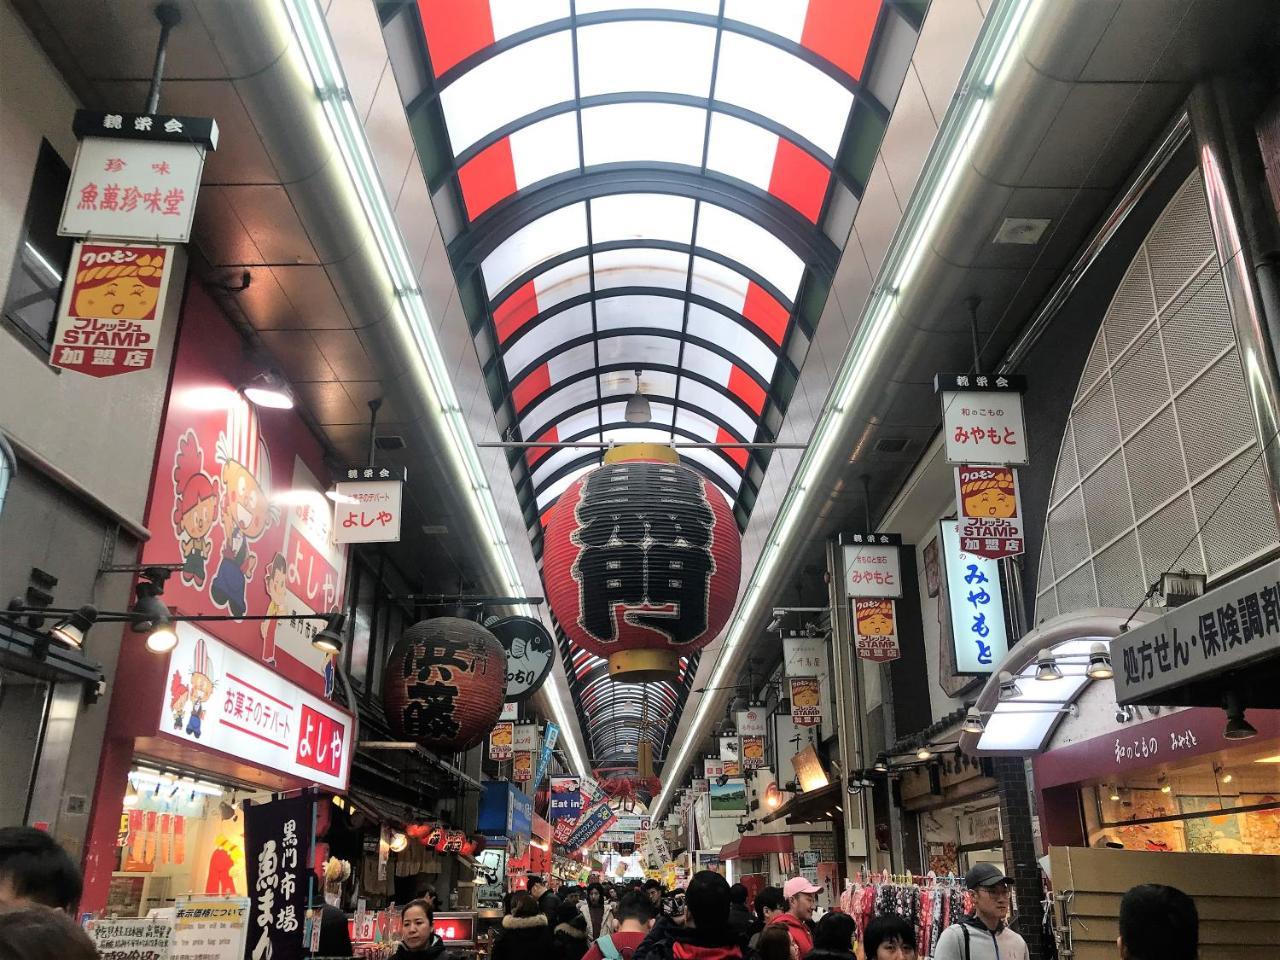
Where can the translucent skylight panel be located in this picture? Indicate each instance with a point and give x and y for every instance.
(558, 231)
(641, 216)
(557, 329)
(751, 245)
(710, 7)
(659, 412)
(561, 282)
(636, 435)
(786, 18)
(643, 132)
(639, 351)
(535, 420)
(719, 283)
(698, 425)
(512, 16)
(544, 149)
(546, 467)
(656, 383)
(741, 149)
(665, 313)
(715, 464)
(551, 493)
(715, 327)
(644, 55)
(707, 364)
(760, 77)
(644, 268)
(714, 401)
(508, 86)
(574, 360)
(576, 423)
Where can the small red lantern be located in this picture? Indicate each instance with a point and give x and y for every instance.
(444, 683)
(642, 561)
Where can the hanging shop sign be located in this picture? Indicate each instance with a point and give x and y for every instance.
(210, 928)
(136, 176)
(223, 700)
(147, 939)
(976, 603)
(505, 811)
(729, 747)
(566, 800)
(522, 750)
(443, 684)
(989, 511)
(501, 740)
(752, 722)
(549, 737)
(1227, 629)
(982, 418)
(809, 770)
(591, 825)
(530, 654)
(872, 564)
(510, 712)
(752, 753)
(369, 505)
(699, 785)
(875, 630)
(278, 853)
(663, 587)
(110, 311)
(806, 701)
(712, 767)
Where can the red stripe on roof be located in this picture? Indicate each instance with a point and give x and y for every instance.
(746, 389)
(538, 380)
(534, 454)
(515, 311)
(488, 177)
(798, 178)
(840, 31)
(455, 30)
(766, 313)
(737, 454)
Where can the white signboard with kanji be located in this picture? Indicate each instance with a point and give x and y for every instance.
(976, 602)
(221, 699)
(872, 567)
(982, 418)
(133, 189)
(369, 510)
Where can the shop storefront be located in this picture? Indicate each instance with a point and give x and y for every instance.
(953, 811)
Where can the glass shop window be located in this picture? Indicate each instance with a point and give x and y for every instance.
(35, 281)
(362, 624)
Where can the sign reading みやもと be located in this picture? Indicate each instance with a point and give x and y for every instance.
(982, 418)
(976, 603)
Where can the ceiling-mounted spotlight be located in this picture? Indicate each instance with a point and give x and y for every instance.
(329, 640)
(1099, 662)
(1113, 792)
(882, 763)
(1238, 728)
(71, 630)
(269, 389)
(1165, 785)
(638, 410)
(153, 617)
(1047, 665)
(1222, 774)
(973, 721)
(923, 752)
(1009, 689)
(398, 841)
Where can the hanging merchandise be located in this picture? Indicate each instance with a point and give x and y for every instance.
(444, 684)
(875, 630)
(989, 511)
(930, 904)
(642, 562)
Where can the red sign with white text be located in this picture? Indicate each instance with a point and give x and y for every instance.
(322, 742)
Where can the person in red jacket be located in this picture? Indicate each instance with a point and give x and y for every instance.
(801, 898)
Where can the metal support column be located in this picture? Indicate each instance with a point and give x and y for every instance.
(1244, 233)
(858, 821)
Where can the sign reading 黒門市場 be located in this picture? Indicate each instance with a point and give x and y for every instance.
(975, 601)
(982, 418)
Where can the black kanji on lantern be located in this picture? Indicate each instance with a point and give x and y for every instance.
(646, 531)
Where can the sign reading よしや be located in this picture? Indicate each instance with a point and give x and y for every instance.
(982, 418)
(369, 506)
(222, 699)
(109, 316)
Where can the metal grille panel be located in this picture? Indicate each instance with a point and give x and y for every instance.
(1180, 403)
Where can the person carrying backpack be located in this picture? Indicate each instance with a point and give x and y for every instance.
(983, 935)
(635, 918)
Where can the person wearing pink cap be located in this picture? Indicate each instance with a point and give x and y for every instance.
(800, 895)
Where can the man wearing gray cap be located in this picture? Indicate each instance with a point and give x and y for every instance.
(983, 935)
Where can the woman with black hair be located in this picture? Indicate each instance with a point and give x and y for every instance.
(570, 935)
(525, 932)
(419, 941)
(833, 938)
(889, 937)
(597, 911)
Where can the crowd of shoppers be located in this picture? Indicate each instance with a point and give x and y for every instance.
(709, 920)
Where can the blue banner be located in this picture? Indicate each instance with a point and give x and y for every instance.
(549, 737)
(590, 825)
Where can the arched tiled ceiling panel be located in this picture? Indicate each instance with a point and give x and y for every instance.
(665, 189)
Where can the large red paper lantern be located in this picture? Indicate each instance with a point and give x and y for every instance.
(641, 562)
(444, 684)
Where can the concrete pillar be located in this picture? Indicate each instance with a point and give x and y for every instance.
(1020, 848)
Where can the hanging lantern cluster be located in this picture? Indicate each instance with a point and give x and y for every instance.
(641, 562)
(444, 684)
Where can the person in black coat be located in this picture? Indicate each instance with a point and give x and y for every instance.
(833, 938)
(571, 937)
(741, 920)
(420, 941)
(526, 935)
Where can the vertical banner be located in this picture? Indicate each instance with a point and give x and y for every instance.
(989, 511)
(564, 806)
(752, 753)
(729, 756)
(875, 630)
(278, 846)
(525, 742)
(549, 738)
(752, 728)
(500, 741)
(976, 602)
(806, 709)
(713, 767)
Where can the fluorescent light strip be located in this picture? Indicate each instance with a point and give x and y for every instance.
(312, 33)
(951, 150)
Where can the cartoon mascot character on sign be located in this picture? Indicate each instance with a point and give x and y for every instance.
(246, 510)
(195, 508)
